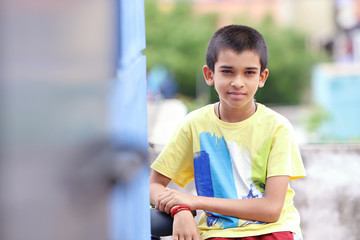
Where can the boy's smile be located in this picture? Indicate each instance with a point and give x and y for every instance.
(236, 78)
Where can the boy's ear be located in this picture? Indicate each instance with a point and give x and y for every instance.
(208, 75)
(263, 76)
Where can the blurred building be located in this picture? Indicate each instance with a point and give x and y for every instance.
(315, 18)
(346, 44)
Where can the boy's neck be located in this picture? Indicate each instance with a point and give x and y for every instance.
(233, 116)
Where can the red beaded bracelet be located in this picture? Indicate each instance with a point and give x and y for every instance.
(180, 208)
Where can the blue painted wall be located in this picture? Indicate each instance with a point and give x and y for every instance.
(336, 89)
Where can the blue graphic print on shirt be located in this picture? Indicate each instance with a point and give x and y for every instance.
(214, 178)
(212, 166)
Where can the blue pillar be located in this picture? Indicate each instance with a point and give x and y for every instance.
(130, 214)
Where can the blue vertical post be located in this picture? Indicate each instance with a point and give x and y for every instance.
(130, 214)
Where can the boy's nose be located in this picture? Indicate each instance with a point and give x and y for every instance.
(237, 82)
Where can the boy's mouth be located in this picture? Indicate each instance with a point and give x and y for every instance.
(237, 95)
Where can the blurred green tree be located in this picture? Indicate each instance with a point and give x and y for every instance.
(290, 64)
(177, 39)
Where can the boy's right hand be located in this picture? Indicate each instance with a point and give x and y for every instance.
(184, 227)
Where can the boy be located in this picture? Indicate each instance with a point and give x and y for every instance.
(241, 154)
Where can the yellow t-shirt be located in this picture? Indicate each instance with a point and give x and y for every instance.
(233, 160)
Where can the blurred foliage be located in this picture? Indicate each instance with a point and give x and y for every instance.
(317, 118)
(177, 39)
(290, 65)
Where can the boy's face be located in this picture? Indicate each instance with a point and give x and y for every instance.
(236, 77)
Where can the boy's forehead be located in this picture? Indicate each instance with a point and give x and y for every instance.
(224, 50)
(231, 56)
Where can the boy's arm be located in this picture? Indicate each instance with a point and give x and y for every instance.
(158, 183)
(266, 209)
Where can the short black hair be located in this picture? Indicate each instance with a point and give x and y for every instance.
(238, 38)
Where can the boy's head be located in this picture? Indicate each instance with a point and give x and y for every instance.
(238, 38)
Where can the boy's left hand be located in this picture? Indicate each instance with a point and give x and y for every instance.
(184, 227)
(171, 198)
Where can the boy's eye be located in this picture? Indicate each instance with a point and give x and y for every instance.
(226, 71)
(249, 72)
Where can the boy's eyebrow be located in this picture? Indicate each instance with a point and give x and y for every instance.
(230, 67)
(225, 66)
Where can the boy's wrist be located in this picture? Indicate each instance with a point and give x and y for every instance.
(184, 215)
(175, 210)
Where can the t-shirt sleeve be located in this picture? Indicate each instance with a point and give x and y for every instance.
(176, 159)
(284, 157)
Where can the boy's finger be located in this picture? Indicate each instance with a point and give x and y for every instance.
(163, 203)
(169, 206)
